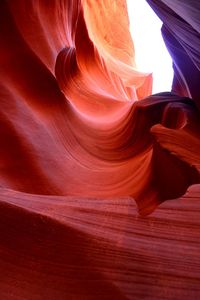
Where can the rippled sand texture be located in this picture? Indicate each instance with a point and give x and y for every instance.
(89, 157)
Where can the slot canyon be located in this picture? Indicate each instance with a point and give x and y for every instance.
(100, 178)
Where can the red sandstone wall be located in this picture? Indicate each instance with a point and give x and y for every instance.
(86, 152)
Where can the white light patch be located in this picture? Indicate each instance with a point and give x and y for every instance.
(150, 50)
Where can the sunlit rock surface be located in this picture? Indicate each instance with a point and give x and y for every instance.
(89, 158)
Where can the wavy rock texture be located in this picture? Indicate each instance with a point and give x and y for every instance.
(84, 146)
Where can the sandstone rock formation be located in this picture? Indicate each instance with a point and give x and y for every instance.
(99, 181)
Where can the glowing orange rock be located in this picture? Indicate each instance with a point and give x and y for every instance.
(78, 149)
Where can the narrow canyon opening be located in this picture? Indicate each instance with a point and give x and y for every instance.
(151, 52)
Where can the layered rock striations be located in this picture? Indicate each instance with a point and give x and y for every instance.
(89, 157)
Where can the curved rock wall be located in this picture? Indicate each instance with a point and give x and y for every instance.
(89, 157)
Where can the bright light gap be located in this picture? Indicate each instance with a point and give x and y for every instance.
(151, 52)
